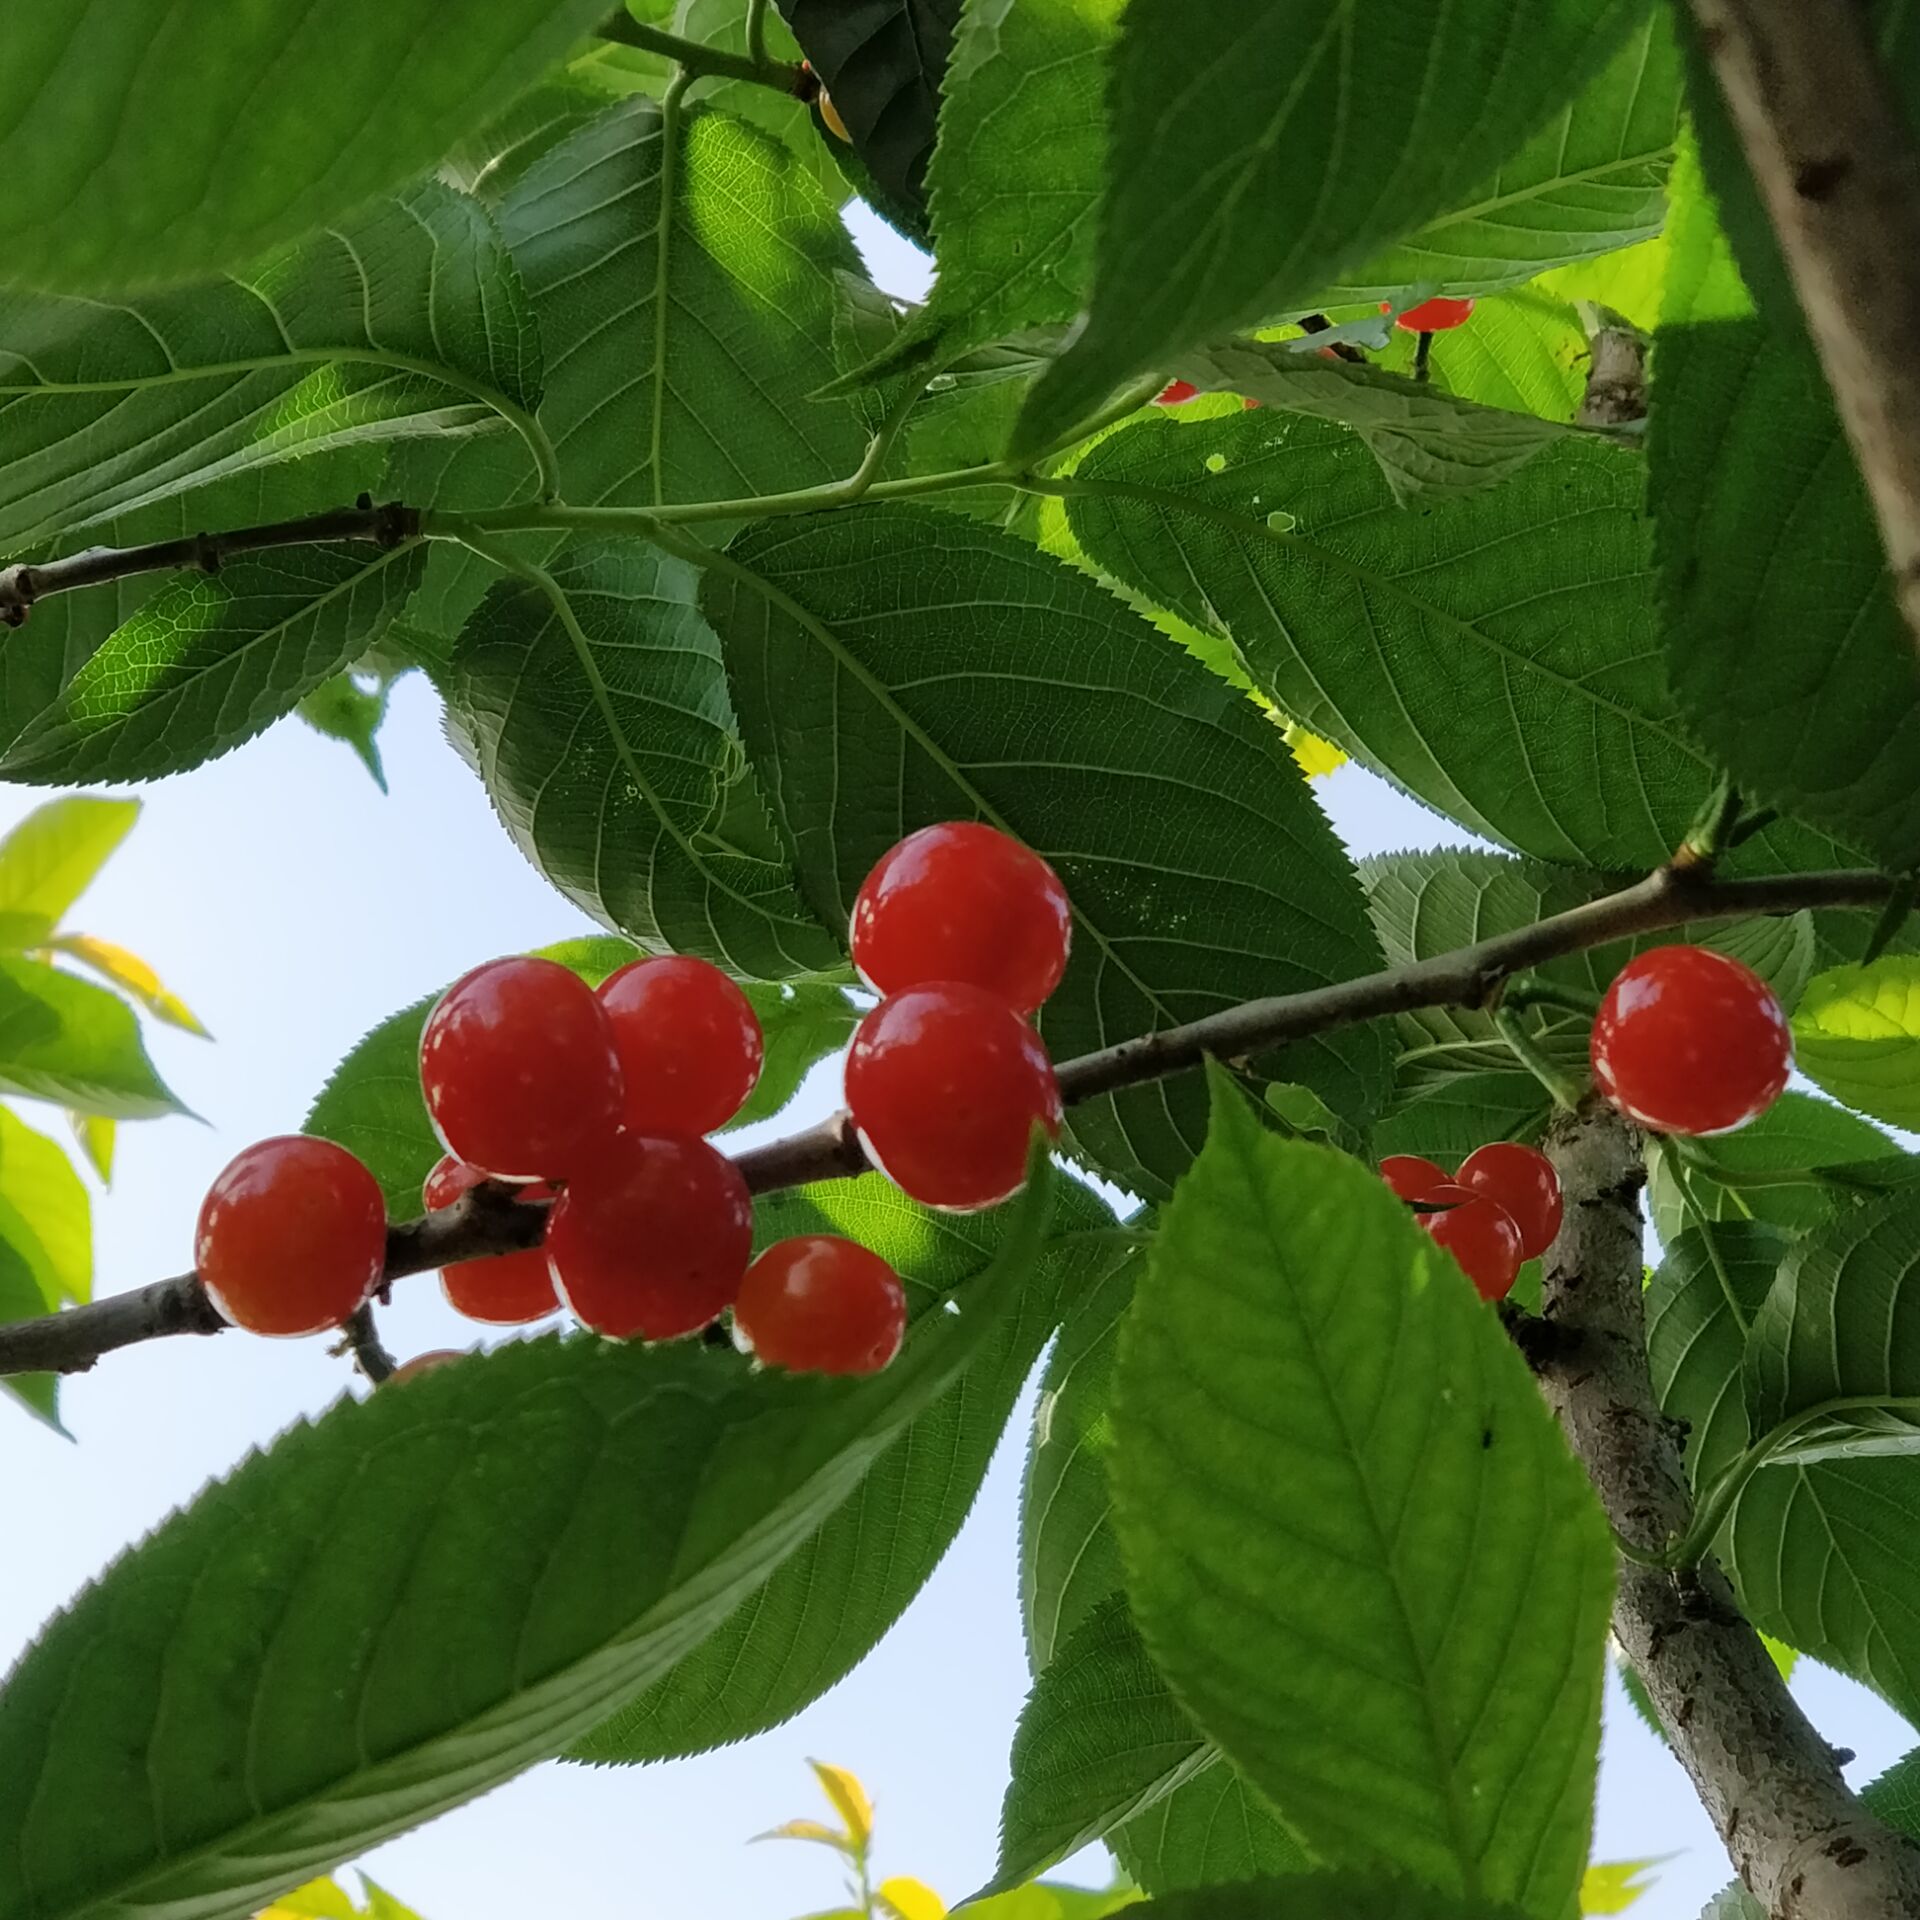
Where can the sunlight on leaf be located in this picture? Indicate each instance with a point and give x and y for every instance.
(849, 1799)
(903, 1898)
(1614, 1886)
(51, 857)
(128, 971)
(808, 1830)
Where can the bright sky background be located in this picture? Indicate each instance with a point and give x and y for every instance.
(293, 907)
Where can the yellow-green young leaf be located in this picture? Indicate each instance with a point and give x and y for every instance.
(48, 859)
(1613, 1886)
(1856, 1033)
(849, 1799)
(46, 1216)
(1356, 1543)
(95, 1133)
(132, 975)
(421, 1594)
(809, 1830)
(381, 1905)
(317, 1900)
(904, 1898)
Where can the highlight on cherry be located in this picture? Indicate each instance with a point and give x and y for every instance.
(1502, 1208)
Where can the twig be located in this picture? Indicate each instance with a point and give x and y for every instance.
(1803, 1844)
(1839, 173)
(701, 60)
(1616, 394)
(363, 1342)
(390, 525)
(490, 1220)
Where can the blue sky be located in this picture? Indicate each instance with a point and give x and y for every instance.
(294, 907)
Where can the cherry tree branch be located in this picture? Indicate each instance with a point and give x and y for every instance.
(390, 525)
(489, 1220)
(700, 60)
(1839, 173)
(1800, 1840)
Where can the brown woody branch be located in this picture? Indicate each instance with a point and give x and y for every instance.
(490, 1221)
(389, 525)
(1800, 1840)
(1837, 168)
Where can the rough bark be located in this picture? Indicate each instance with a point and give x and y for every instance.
(1799, 1839)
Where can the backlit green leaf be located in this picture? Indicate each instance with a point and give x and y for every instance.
(46, 1217)
(995, 682)
(296, 120)
(1351, 1528)
(78, 1045)
(1209, 1831)
(1321, 1896)
(49, 859)
(418, 1597)
(1857, 1034)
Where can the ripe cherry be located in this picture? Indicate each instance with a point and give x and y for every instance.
(1174, 392)
(650, 1240)
(1411, 1177)
(946, 1083)
(1481, 1236)
(1690, 1041)
(1521, 1181)
(963, 901)
(820, 1304)
(688, 1041)
(518, 1067)
(422, 1363)
(507, 1290)
(1438, 315)
(292, 1236)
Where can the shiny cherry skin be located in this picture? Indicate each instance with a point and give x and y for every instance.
(1691, 1041)
(511, 1288)
(1521, 1180)
(1481, 1236)
(650, 1241)
(1412, 1177)
(820, 1304)
(292, 1237)
(963, 901)
(946, 1083)
(1174, 392)
(518, 1068)
(688, 1041)
(1438, 315)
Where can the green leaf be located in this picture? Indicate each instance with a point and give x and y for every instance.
(1703, 1297)
(829, 1605)
(132, 975)
(598, 712)
(95, 1134)
(372, 1103)
(294, 122)
(1797, 1164)
(1069, 1559)
(407, 319)
(1525, 351)
(21, 1298)
(418, 1597)
(1016, 176)
(1209, 1831)
(78, 1045)
(1101, 1740)
(1426, 441)
(1471, 653)
(1351, 1526)
(1322, 1896)
(50, 858)
(213, 660)
(1839, 1324)
(46, 1218)
(1857, 1034)
(1365, 136)
(1049, 1900)
(882, 63)
(1587, 183)
(343, 709)
(1200, 868)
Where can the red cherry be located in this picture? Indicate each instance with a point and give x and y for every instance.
(1411, 1177)
(1174, 392)
(1438, 315)
(511, 1288)
(1521, 1181)
(689, 1044)
(1480, 1234)
(820, 1304)
(1690, 1041)
(292, 1236)
(422, 1363)
(650, 1240)
(965, 902)
(518, 1068)
(945, 1083)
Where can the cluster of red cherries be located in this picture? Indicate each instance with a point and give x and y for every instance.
(597, 1104)
(1686, 1041)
